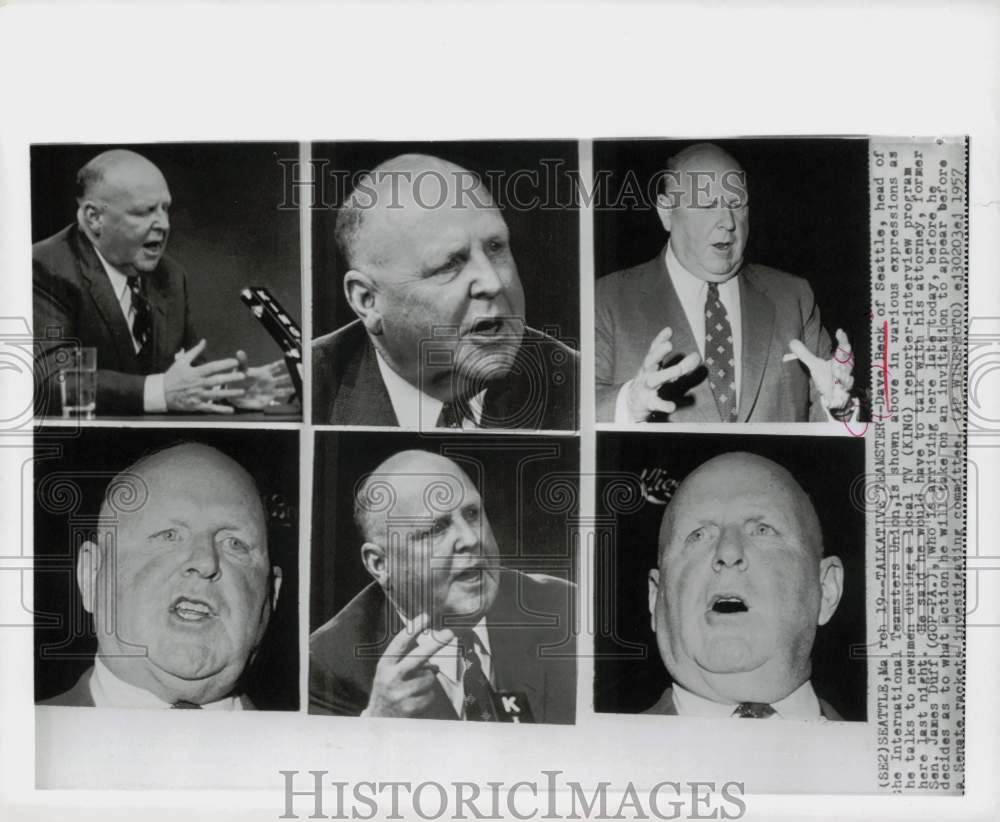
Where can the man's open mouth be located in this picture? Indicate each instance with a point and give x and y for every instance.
(473, 574)
(723, 246)
(154, 246)
(728, 604)
(487, 326)
(192, 610)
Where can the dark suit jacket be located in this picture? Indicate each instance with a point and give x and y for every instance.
(665, 706)
(634, 305)
(74, 301)
(79, 695)
(540, 392)
(530, 612)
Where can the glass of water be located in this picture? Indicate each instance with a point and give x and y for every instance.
(78, 381)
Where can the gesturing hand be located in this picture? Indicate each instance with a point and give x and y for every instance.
(833, 378)
(262, 384)
(643, 389)
(196, 387)
(404, 680)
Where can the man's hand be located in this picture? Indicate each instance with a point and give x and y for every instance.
(833, 378)
(262, 385)
(404, 681)
(196, 387)
(643, 389)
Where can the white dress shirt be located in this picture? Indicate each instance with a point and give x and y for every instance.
(802, 703)
(108, 691)
(692, 293)
(417, 410)
(154, 397)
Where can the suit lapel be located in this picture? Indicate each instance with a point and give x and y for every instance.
(757, 319)
(514, 647)
(105, 301)
(362, 398)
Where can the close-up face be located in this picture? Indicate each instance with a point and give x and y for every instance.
(192, 580)
(706, 210)
(443, 270)
(440, 555)
(740, 587)
(130, 222)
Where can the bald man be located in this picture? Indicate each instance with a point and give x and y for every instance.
(440, 338)
(179, 582)
(697, 334)
(742, 585)
(106, 282)
(442, 631)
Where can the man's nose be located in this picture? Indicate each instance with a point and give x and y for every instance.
(726, 219)
(161, 219)
(466, 536)
(486, 281)
(203, 558)
(729, 551)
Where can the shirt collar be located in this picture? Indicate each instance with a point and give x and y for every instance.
(801, 703)
(414, 408)
(692, 288)
(119, 282)
(109, 691)
(448, 660)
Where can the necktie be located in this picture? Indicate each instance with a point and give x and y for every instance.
(449, 417)
(478, 700)
(753, 710)
(184, 704)
(142, 320)
(719, 357)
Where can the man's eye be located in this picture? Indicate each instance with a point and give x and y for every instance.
(231, 543)
(167, 535)
(698, 535)
(496, 246)
(762, 529)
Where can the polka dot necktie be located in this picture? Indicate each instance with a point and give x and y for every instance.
(449, 417)
(753, 710)
(719, 357)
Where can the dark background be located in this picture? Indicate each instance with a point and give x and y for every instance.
(531, 537)
(629, 675)
(225, 228)
(808, 216)
(90, 458)
(545, 240)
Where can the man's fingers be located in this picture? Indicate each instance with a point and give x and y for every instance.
(843, 353)
(191, 354)
(658, 349)
(663, 406)
(428, 644)
(218, 379)
(212, 408)
(803, 354)
(224, 393)
(407, 638)
(216, 366)
(674, 372)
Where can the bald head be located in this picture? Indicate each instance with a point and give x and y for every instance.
(427, 539)
(717, 476)
(399, 189)
(741, 584)
(181, 568)
(123, 204)
(704, 207)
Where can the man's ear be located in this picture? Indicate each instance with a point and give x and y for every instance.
(275, 586)
(654, 590)
(374, 559)
(361, 291)
(664, 210)
(92, 212)
(831, 580)
(88, 566)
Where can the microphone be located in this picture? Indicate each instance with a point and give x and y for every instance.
(512, 706)
(282, 328)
